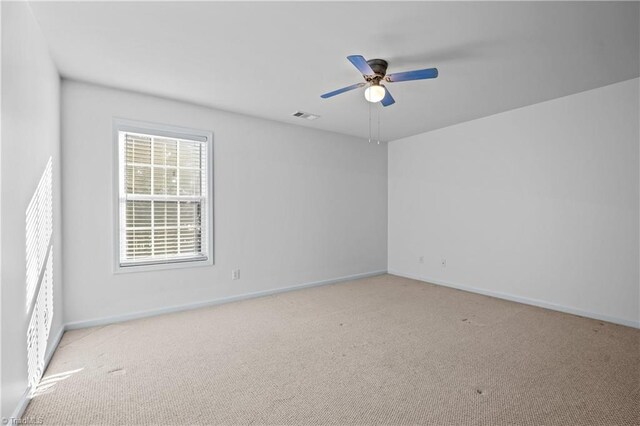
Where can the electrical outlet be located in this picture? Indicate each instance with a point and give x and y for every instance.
(235, 274)
(443, 262)
(421, 259)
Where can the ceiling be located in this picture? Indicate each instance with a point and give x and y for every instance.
(270, 59)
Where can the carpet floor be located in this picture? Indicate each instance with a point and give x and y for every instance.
(381, 350)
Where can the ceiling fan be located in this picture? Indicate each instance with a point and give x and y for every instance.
(374, 71)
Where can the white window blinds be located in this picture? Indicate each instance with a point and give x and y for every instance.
(163, 199)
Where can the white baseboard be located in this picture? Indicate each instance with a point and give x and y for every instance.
(22, 405)
(26, 396)
(213, 302)
(524, 300)
(54, 345)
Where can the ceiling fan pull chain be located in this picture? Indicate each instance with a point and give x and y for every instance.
(378, 126)
(369, 122)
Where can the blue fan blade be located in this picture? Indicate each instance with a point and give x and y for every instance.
(344, 89)
(388, 99)
(361, 64)
(412, 75)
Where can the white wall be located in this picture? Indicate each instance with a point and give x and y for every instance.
(30, 136)
(291, 206)
(538, 204)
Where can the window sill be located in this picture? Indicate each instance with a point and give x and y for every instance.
(119, 269)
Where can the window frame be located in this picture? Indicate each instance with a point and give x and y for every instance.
(170, 131)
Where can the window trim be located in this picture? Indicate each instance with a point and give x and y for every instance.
(120, 125)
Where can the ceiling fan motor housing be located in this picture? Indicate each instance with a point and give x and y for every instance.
(379, 67)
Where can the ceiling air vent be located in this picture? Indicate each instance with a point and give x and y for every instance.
(305, 115)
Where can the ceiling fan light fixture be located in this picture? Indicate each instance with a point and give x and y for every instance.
(374, 93)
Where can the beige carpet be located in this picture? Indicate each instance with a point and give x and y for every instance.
(382, 350)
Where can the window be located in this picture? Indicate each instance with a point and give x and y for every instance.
(164, 202)
(39, 274)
